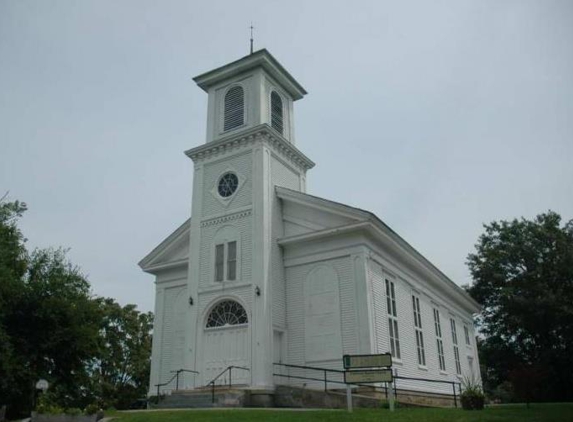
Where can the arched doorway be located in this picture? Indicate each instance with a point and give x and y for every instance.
(226, 342)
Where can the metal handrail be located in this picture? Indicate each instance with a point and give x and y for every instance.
(338, 371)
(212, 382)
(171, 379)
(177, 376)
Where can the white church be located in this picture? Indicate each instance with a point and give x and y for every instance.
(264, 272)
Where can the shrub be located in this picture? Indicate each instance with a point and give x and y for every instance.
(472, 396)
(91, 409)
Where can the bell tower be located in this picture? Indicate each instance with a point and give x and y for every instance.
(234, 259)
(251, 91)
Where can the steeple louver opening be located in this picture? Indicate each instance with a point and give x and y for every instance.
(276, 112)
(234, 108)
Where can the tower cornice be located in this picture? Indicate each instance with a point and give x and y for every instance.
(262, 133)
(261, 58)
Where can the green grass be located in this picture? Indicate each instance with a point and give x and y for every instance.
(510, 413)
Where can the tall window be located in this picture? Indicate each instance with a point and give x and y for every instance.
(276, 112)
(456, 349)
(234, 108)
(419, 332)
(392, 320)
(226, 257)
(439, 341)
(467, 333)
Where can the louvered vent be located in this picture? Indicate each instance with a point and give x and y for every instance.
(234, 108)
(276, 112)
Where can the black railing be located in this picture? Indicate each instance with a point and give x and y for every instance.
(230, 370)
(174, 377)
(326, 380)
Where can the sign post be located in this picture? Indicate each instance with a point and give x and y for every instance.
(365, 369)
(391, 396)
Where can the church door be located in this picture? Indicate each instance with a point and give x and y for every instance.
(226, 342)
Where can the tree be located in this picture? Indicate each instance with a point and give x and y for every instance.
(51, 326)
(123, 363)
(13, 264)
(523, 276)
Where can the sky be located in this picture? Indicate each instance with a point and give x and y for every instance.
(437, 116)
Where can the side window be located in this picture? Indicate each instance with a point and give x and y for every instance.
(455, 344)
(467, 334)
(392, 320)
(418, 329)
(439, 341)
(234, 108)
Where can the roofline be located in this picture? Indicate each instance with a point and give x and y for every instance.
(375, 222)
(146, 260)
(260, 58)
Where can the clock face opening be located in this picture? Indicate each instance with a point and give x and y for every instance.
(228, 184)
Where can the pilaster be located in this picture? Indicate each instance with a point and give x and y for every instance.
(261, 351)
(192, 323)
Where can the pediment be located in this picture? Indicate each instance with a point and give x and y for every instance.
(173, 251)
(304, 213)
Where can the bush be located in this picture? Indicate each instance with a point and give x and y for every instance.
(472, 397)
(91, 409)
(47, 405)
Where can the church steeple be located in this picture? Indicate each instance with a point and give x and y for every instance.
(251, 91)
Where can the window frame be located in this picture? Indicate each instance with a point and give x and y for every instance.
(225, 268)
(271, 110)
(439, 340)
(393, 327)
(223, 103)
(467, 335)
(419, 331)
(454, 332)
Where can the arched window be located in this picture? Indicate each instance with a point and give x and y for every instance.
(226, 313)
(276, 112)
(234, 108)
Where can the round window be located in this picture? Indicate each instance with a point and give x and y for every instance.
(228, 184)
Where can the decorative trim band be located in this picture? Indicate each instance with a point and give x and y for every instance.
(258, 135)
(226, 218)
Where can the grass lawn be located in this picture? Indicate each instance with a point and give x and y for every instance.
(510, 413)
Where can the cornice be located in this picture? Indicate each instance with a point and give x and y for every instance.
(259, 59)
(226, 218)
(380, 233)
(261, 134)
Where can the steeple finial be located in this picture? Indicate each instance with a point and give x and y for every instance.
(252, 37)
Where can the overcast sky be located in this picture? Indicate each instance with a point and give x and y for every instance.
(437, 116)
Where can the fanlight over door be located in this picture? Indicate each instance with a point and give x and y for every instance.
(226, 342)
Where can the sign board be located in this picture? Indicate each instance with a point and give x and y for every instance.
(367, 361)
(372, 375)
(42, 385)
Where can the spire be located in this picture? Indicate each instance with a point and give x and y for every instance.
(252, 37)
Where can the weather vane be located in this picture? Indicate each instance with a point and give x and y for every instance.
(252, 37)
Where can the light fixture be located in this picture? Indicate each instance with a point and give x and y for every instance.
(257, 291)
(191, 300)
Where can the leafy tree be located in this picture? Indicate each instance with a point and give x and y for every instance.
(523, 276)
(13, 264)
(122, 366)
(51, 326)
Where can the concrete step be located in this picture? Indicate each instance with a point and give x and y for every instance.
(203, 398)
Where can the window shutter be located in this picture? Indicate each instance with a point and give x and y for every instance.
(234, 108)
(276, 112)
